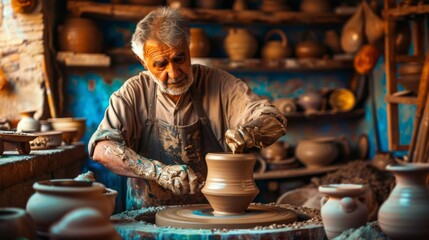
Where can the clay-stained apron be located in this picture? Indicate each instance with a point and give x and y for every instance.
(172, 145)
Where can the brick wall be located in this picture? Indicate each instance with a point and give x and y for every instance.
(21, 58)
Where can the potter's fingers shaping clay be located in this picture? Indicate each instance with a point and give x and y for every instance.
(235, 140)
(193, 181)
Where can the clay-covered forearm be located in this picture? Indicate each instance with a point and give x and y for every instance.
(263, 131)
(124, 161)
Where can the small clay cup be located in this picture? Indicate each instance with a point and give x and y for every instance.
(230, 187)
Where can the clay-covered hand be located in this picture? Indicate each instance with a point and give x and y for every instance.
(180, 179)
(261, 132)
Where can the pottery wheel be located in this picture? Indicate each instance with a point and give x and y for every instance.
(201, 216)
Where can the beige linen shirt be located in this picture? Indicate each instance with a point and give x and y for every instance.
(227, 101)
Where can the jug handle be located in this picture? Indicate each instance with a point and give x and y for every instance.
(280, 33)
(348, 204)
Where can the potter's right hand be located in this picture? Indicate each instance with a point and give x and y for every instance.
(180, 179)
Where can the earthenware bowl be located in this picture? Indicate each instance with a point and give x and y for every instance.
(69, 123)
(317, 152)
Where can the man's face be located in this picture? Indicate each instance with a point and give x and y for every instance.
(169, 67)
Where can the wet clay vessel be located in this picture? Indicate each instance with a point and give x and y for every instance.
(405, 213)
(229, 188)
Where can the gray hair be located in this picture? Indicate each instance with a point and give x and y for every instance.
(165, 25)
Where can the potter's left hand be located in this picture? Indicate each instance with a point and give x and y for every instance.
(261, 132)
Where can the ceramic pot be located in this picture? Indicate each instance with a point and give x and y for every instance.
(317, 152)
(240, 44)
(80, 35)
(275, 49)
(405, 213)
(229, 191)
(200, 44)
(275, 152)
(342, 208)
(310, 101)
(315, 6)
(27, 122)
(54, 198)
(15, 223)
(309, 46)
(83, 224)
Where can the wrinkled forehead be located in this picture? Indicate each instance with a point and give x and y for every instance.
(154, 48)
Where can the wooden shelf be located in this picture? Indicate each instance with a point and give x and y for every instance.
(296, 172)
(401, 99)
(127, 12)
(125, 55)
(326, 114)
(72, 59)
(403, 11)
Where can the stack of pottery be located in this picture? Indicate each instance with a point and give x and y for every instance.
(240, 44)
(342, 208)
(405, 213)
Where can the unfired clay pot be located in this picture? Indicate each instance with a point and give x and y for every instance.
(200, 44)
(54, 198)
(15, 223)
(230, 187)
(240, 44)
(405, 213)
(84, 224)
(343, 208)
(317, 152)
(27, 122)
(80, 35)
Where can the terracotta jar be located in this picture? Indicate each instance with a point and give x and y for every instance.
(200, 44)
(15, 223)
(317, 152)
(54, 198)
(405, 213)
(275, 49)
(80, 35)
(240, 44)
(27, 122)
(228, 190)
(342, 208)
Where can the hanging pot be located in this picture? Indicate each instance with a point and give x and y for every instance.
(352, 36)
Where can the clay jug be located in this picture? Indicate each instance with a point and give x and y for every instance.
(405, 213)
(240, 44)
(352, 37)
(309, 46)
(27, 122)
(310, 101)
(230, 187)
(15, 223)
(275, 49)
(54, 198)
(80, 35)
(200, 44)
(342, 208)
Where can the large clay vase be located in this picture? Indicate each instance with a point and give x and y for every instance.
(27, 122)
(342, 208)
(200, 44)
(405, 213)
(15, 223)
(54, 198)
(80, 35)
(230, 187)
(240, 44)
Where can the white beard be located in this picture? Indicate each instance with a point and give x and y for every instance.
(173, 91)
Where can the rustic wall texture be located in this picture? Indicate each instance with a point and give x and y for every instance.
(21, 59)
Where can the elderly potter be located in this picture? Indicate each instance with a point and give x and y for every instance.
(160, 124)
